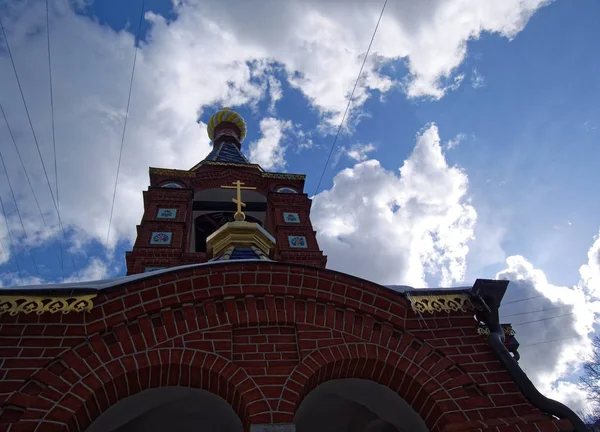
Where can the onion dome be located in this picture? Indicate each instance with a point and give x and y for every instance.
(226, 115)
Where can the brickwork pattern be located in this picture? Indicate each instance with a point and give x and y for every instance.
(214, 327)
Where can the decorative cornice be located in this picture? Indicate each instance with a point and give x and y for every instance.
(172, 172)
(484, 330)
(15, 304)
(442, 303)
(283, 176)
(239, 233)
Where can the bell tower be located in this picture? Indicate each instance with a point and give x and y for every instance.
(224, 207)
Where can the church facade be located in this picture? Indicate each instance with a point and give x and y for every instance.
(229, 320)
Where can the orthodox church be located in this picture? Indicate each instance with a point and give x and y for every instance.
(228, 320)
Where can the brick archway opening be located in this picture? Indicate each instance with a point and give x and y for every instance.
(354, 404)
(169, 408)
(418, 386)
(74, 395)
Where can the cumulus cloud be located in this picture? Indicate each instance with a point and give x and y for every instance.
(275, 92)
(590, 272)
(410, 224)
(360, 152)
(95, 270)
(207, 53)
(454, 142)
(269, 151)
(540, 312)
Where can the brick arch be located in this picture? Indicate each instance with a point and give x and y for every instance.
(170, 310)
(71, 394)
(424, 386)
(239, 280)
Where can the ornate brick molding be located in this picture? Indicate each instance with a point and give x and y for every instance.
(14, 304)
(442, 303)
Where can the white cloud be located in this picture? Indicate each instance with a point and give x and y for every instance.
(359, 152)
(275, 92)
(563, 315)
(302, 138)
(269, 151)
(590, 272)
(477, 80)
(410, 225)
(5, 244)
(210, 53)
(453, 142)
(95, 270)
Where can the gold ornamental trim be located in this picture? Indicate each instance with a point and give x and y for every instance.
(15, 304)
(239, 233)
(485, 331)
(172, 172)
(283, 176)
(442, 303)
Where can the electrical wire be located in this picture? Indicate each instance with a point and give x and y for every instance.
(12, 245)
(548, 341)
(62, 266)
(12, 192)
(350, 100)
(6, 252)
(522, 300)
(37, 203)
(112, 207)
(537, 311)
(32, 129)
(544, 319)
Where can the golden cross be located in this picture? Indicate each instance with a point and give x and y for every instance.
(239, 214)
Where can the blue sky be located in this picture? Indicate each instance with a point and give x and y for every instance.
(490, 111)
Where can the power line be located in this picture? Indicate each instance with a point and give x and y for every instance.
(12, 192)
(34, 135)
(37, 203)
(537, 311)
(5, 251)
(112, 207)
(548, 341)
(521, 300)
(544, 319)
(12, 245)
(350, 100)
(53, 133)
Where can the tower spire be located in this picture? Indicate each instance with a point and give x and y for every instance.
(226, 125)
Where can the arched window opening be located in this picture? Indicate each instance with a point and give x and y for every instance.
(286, 190)
(169, 408)
(172, 185)
(208, 223)
(354, 404)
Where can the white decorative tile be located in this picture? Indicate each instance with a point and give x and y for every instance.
(166, 213)
(151, 269)
(161, 237)
(298, 242)
(291, 217)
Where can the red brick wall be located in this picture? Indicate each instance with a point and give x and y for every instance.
(213, 327)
